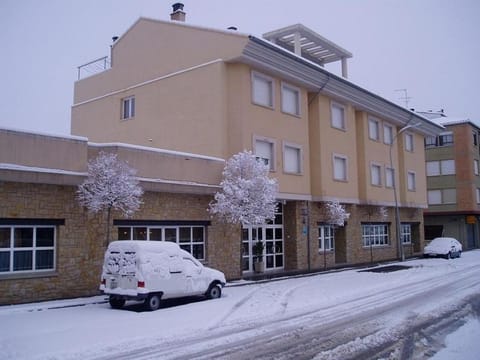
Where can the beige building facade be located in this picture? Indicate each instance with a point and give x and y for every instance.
(175, 108)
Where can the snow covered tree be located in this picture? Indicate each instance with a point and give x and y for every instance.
(111, 184)
(336, 213)
(248, 195)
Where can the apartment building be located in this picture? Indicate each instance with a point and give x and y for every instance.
(176, 102)
(453, 180)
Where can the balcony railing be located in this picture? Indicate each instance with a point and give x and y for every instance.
(93, 67)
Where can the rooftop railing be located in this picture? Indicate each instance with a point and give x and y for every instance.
(93, 67)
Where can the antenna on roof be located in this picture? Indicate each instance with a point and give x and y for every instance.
(405, 97)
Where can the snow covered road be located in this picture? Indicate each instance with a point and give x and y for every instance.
(349, 314)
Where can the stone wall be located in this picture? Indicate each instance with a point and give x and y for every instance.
(80, 242)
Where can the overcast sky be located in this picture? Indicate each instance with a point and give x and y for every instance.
(429, 47)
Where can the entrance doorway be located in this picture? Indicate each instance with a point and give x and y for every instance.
(271, 235)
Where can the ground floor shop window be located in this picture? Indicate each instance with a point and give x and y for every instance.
(374, 234)
(189, 238)
(27, 249)
(326, 238)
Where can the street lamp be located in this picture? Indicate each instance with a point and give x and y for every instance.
(401, 254)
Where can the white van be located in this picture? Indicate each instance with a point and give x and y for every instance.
(154, 270)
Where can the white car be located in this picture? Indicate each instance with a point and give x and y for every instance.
(154, 270)
(446, 247)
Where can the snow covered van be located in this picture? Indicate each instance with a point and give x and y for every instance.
(154, 270)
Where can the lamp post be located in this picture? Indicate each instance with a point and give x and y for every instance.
(401, 254)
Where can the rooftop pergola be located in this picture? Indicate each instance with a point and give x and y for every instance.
(308, 44)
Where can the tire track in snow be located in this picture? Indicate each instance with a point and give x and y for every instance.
(242, 339)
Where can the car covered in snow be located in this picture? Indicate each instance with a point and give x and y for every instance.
(153, 270)
(446, 247)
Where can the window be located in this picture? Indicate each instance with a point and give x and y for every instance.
(376, 174)
(374, 235)
(406, 233)
(373, 129)
(475, 167)
(478, 196)
(445, 139)
(27, 249)
(389, 177)
(442, 196)
(264, 151)
(475, 138)
(292, 159)
(434, 197)
(128, 107)
(340, 167)
(262, 90)
(430, 141)
(290, 100)
(326, 238)
(338, 116)
(189, 238)
(409, 142)
(441, 167)
(411, 183)
(387, 134)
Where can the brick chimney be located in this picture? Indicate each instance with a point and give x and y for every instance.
(178, 14)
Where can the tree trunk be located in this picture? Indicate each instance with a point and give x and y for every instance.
(107, 240)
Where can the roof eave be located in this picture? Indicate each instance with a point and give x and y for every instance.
(276, 60)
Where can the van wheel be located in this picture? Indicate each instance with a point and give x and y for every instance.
(214, 291)
(116, 303)
(152, 303)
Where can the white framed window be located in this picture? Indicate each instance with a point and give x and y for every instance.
(434, 197)
(376, 175)
(292, 158)
(387, 133)
(265, 151)
(262, 90)
(373, 129)
(475, 167)
(340, 167)
(326, 237)
(447, 167)
(189, 238)
(411, 181)
(27, 249)
(433, 168)
(338, 116)
(374, 234)
(409, 142)
(475, 138)
(389, 173)
(406, 233)
(478, 196)
(290, 99)
(128, 107)
(442, 196)
(440, 167)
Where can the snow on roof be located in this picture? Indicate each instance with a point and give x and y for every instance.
(6, 166)
(30, 132)
(177, 182)
(157, 150)
(447, 120)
